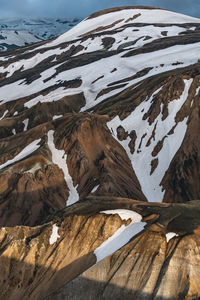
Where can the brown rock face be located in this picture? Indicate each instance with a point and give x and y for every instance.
(43, 268)
(95, 157)
(102, 115)
(33, 265)
(146, 268)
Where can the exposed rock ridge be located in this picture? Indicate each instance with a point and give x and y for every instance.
(34, 266)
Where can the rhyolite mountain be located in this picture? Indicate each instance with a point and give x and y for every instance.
(15, 32)
(100, 160)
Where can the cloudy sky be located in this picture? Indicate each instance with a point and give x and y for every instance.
(82, 8)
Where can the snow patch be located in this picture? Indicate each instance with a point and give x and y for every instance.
(94, 189)
(14, 131)
(33, 169)
(25, 122)
(26, 64)
(57, 117)
(125, 214)
(124, 65)
(170, 235)
(197, 91)
(123, 235)
(54, 236)
(59, 158)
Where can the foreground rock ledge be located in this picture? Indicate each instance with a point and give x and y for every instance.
(33, 266)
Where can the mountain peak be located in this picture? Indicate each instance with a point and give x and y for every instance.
(116, 9)
(116, 18)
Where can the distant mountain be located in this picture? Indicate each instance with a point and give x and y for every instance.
(100, 160)
(19, 32)
(10, 39)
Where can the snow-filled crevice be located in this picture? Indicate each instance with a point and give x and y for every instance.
(59, 158)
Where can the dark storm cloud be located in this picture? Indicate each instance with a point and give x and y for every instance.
(82, 8)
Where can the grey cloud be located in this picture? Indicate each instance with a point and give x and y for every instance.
(82, 8)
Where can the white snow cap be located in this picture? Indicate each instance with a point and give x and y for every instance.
(144, 16)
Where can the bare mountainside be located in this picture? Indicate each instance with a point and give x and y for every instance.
(99, 160)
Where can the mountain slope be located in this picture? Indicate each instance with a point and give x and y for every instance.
(109, 108)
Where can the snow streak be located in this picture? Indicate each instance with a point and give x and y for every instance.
(59, 158)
